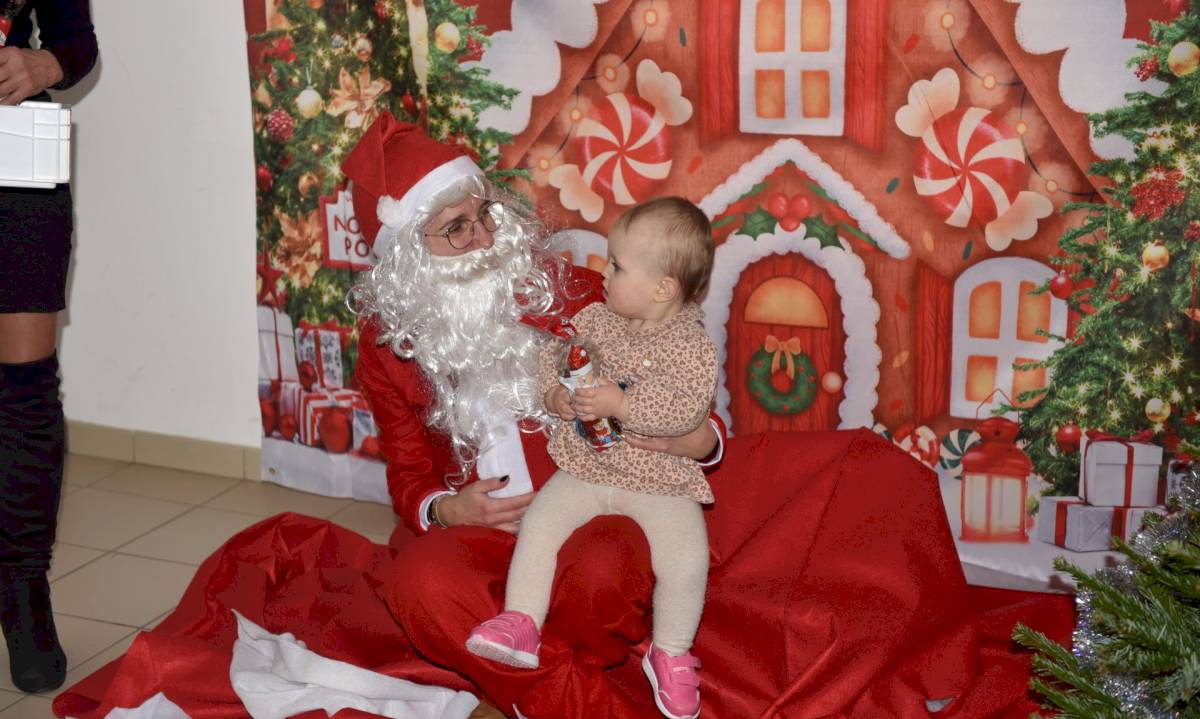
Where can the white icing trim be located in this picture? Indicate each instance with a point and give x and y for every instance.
(849, 198)
(860, 313)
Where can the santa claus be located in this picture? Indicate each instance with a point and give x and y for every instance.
(464, 293)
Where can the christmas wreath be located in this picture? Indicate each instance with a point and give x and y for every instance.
(800, 370)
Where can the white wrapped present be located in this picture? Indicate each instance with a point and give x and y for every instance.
(1071, 524)
(1119, 472)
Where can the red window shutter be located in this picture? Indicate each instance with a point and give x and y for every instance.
(718, 74)
(866, 35)
(933, 346)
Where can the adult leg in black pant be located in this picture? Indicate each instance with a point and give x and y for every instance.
(31, 467)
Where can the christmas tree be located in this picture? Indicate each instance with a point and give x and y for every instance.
(1136, 648)
(1130, 272)
(328, 68)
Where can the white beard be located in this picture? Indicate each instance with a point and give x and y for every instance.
(481, 360)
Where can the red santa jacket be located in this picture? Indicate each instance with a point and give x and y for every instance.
(417, 457)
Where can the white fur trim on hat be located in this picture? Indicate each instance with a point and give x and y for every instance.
(394, 212)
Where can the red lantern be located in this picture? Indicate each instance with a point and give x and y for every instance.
(995, 482)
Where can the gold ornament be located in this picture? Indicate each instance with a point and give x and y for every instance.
(316, 4)
(363, 48)
(1157, 410)
(446, 37)
(1155, 256)
(831, 382)
(1183, 58)
(308, 183)
(309, 103)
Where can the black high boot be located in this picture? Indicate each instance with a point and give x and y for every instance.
(31, 467)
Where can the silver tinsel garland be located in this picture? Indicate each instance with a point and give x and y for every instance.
(1135, 700)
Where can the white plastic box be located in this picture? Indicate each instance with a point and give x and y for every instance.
(35, 144)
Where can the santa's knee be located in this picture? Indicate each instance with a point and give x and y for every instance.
(608, 558)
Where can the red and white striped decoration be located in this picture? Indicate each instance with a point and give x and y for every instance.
(970, 167)
(624, 148)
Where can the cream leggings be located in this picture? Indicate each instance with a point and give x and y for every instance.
(674, 528)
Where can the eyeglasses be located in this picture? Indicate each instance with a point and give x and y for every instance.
(461, 232)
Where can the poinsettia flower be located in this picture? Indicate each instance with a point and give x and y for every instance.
(298, 251)
(663, 90)
(650, 20)
(357, 100)
(543, 158)
(946, 23)
(927, 101)
(1020, 221)
(575, 194)
(612, 73)
(991, 81)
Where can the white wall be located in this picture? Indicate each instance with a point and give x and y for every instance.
(160, 329)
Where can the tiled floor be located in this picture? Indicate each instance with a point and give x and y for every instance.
(129, 539)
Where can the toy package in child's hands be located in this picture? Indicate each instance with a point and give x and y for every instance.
(578, 372)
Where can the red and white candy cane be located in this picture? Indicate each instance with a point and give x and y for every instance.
(970, 167)
(624, 148)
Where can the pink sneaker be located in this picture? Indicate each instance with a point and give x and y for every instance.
(510, 638)
(676, 686)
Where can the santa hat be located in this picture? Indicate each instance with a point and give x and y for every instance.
(396, 168)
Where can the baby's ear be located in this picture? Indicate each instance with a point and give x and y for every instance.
(668, 289)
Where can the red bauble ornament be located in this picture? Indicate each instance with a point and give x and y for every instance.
(263, 178)
(269, 415)
(370, 447)
(800, 205)
(308, 375)
(1193, 231)
(280, 125)
(474, 48)
(334, 427)
(1061, 286)
(788, 223)
(409, 104)
(1068, 437)
(287, 427)
(777, 204)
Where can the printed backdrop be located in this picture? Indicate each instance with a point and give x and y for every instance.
(887, 181)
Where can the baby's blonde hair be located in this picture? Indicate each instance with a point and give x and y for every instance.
(682, 236)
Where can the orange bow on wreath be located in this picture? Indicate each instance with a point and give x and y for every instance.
(783, 349)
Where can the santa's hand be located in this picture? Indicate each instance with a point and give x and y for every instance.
(24, 73)
(558, 403)
(697, 444)
(607, 400)
(473, 506)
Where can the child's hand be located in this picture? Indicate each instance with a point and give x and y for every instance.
(607, 400)
(558, 403)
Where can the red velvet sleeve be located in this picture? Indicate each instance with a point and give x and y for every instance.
(389, 384)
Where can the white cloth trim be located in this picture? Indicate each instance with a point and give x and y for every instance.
(423, 510)
(394, 212)
(156, 707)
(504, 454)
(277, 677)
(720, 445)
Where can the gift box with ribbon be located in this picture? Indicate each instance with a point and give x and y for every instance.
(315, 404)
(276, 346)
(1120, 471)
(1071, 524)
(322, 345)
